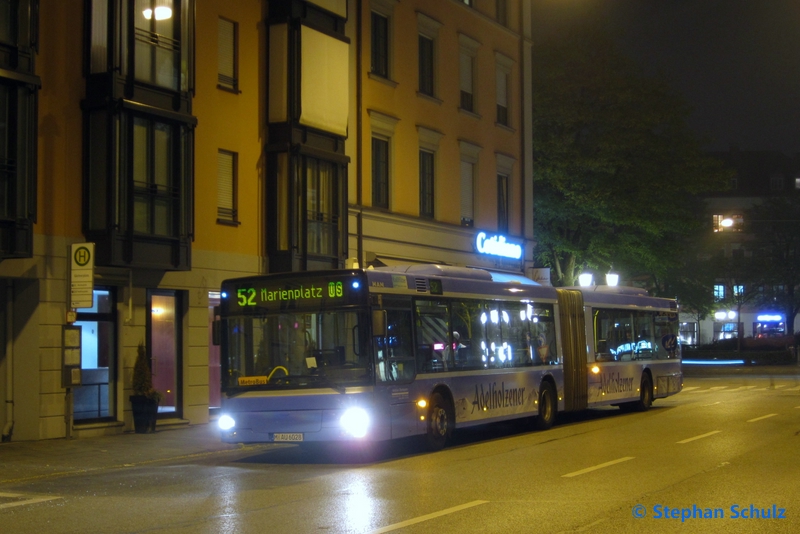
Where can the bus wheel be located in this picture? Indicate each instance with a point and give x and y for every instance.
(440, 422)
(548, 406)
(645, 395)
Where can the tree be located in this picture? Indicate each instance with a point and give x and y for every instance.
(774, 230)
(616, 169)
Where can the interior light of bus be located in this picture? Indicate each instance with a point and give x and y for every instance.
(438, 346)
(522, 315)
(226, 422)
(355, 421)
(495, 316)
(505, 317)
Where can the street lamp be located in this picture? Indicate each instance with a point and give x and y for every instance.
(585, 279)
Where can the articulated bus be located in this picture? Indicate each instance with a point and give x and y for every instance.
(379, 354)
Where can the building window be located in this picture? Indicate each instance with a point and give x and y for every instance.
(719, 292)
(380, 173)
(228, 76)
(8, 15)
(502, 12)
(502, 98)
(227, 182)
(467, 198)
(321, 207)
(469, 163)
(158, 43)
(8, 160)
(426, 162)
(503, 68)
(380, 45)
(428, 29)
(468, 52)
(425, 65)
(156, 194)
(797, 183)
(728, 223)
(738, 291)
(776, 183)
(502, 203)
(688, 334)
(467, 98)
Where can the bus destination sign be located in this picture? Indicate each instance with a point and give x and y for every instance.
(273, 293)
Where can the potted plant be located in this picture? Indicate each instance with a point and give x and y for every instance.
(145, 399)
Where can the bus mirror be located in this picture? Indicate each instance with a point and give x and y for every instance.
(379, 323)
(216, 327)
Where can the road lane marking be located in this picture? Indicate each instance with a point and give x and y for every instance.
(778, 386)
(596, 467)
(741, 388)
(690, 388)
(712, 404)
(701, 436)
(762, 417)
(796, 388)
(717, 388)
(23, 499)
(426, 517)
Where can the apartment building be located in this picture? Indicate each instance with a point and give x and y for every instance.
(167, 145)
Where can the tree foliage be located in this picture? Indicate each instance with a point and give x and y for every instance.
(616, 169)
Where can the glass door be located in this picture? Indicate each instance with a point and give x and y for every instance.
(163, 327)
(94, 398)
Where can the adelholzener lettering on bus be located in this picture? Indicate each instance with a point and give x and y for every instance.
(494, 397)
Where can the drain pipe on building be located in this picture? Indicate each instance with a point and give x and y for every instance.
(9, 426)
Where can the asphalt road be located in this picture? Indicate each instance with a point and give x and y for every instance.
(727, 446)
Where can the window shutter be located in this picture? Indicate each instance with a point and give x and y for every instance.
(502, 88)
(466, 73)
(467, 203)
(225, 186)
(227, 53)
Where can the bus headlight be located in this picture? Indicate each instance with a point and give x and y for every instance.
(226, 422)
(355, 421)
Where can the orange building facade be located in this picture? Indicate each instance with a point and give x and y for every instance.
(182, 143)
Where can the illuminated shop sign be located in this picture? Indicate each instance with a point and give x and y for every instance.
(769, 318)
(497, 245)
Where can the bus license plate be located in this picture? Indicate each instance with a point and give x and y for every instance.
(287, 436)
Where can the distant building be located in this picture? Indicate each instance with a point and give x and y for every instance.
(759, 175)
(193, 141)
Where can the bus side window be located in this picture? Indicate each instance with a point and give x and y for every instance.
(394, 351)
(432, 336)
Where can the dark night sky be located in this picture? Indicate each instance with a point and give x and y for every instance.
(737, 62)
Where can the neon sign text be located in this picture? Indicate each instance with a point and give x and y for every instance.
(497, 246)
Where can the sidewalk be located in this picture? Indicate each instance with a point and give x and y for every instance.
(28, 460)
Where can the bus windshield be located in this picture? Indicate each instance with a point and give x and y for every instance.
(297, 350)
